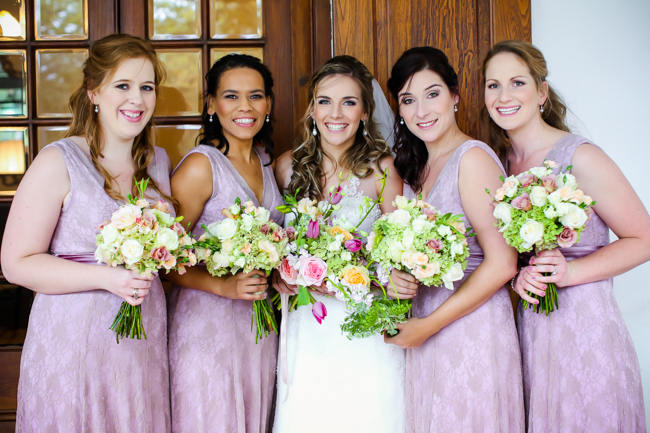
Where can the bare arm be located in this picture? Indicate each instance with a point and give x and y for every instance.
(30, 226)
(283, 171)
(477, 171)
(192, 188)
(619, 207)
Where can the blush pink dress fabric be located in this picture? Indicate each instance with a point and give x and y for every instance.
(581, 373)
(467, 377)
(221, 381)
(74, 377)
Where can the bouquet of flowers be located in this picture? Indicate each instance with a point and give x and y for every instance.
(144, 237)
(418, 239)
(537, 209)
(245, 240)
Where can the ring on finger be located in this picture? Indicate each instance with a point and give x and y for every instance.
(135, 294)
(554, 270)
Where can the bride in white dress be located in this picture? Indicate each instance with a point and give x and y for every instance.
(327, 383)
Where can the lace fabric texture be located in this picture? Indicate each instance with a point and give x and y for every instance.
(336, 384)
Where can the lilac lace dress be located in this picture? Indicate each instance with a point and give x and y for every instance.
(581, 373)
(74, 377)
(467, 377)
(221, 381)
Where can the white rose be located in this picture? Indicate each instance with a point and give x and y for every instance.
(531, 232)
(555, 197)
(420, 224)
(572, 216)
(537, 196)
(540, 172)
(167, 238)
(240, 262)
(407, 238)
(220, 260)
(247, 222)
(510, 186)
(550, 212)
(457, 248)
(454, 273)
(125, 216)
(566, 179)
(503, 212)
(399, 217)
(132, 250)
(110, 234)
(306, 206)
(224, 229)
(444, 230)
(269, 249)
(346, 256)
(262, 215)
(335, 245)
(401, 202)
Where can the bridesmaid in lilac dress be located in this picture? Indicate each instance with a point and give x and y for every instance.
(74, 377)
(463, 367)
(581, 373)
(221, 380)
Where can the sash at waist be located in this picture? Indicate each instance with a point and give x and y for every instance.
(79, 258)
(576, 252)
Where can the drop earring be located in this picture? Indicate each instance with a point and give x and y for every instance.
(541, 108)
(401, 120)
(96, 108)
(365, 131)
(268, 118)
(210, 119)
(314, 131)
(455, 108)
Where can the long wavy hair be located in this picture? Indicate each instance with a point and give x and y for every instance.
(361, 158)
(104, 58)
(212, 132)
(554, 108)
(411, 154)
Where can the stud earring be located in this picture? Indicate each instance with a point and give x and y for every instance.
(541, 108)
(96, 108)
(210, 119)
(365, 131)
(455, 108)
(268, 118)
(401, 120)
(314, 131)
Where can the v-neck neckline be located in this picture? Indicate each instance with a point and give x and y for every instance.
(241, 179)
(427, 197)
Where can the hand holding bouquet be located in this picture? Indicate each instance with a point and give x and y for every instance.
(537, 209)
(144, 237)
(245, 240)
(418, 239)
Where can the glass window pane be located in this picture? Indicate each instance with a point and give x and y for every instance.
(58, 74)
(61, 19)
(217, 53)
(13, 84)
(49, 134)
(177, 140)
(236, 19)
(14, 148)
(180, 93)
(174, 19)
(12, 20)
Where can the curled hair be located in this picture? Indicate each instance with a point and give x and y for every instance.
(411, 154)
(212, 133)
(554, 108)
(366, 151)
(104, 58)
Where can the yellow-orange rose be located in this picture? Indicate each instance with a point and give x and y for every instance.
(336, 230)
(355, 275)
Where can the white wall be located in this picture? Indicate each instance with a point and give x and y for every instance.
(599, 61)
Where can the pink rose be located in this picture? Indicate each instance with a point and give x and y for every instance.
(161, 254)
(435, 245)
(287, 272)
(522, 202)
(312, 271)
(278, 235)
(319, 311)
(265, 229)
(430, 213)
(312, 229)
(526, 179)
(567, 238)
(549, 183)
(353, 245)
(291, 233)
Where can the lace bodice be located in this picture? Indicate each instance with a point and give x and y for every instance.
(354, 205)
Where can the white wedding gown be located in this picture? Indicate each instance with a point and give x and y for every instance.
(336, 385)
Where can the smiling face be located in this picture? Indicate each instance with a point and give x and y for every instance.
(126, 100)
(240, 104)
(338, 110)
(427, 106)
(511, 94)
